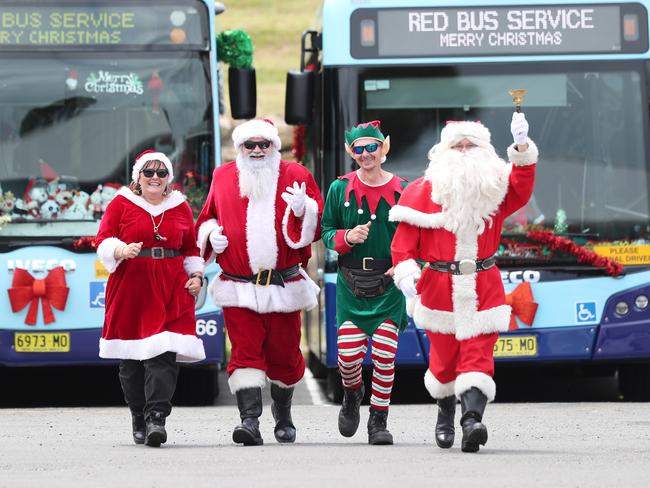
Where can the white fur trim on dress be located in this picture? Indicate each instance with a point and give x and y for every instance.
(246, 378)
(309, 224)
(525, 158)
(436, 389)
(410, 267)
(400, 213)
(256, 128)
(203, 236)
(283, 385)
(188, 348)
(155, 156)
(174, 199)
(106, 253)
(261, 237)
(193, 264)
(296, 295)
(482, 381)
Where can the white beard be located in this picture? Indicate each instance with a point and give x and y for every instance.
(256, 176)
(469, 186)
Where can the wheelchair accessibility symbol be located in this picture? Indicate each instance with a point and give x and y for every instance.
(97, 294)
(585, 312)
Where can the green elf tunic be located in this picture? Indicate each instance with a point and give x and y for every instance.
(350, 202)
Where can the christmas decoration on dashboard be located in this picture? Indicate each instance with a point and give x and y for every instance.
(155, 86)
(561, 225)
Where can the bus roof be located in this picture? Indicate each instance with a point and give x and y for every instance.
(345, 23)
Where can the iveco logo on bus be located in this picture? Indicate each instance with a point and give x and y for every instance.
(41, 264)
(525, 276)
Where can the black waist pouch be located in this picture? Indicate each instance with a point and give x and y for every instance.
(366, 284)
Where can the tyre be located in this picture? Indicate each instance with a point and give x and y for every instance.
(334, 387)
(317, 368)
(197, 386)
(634, 382)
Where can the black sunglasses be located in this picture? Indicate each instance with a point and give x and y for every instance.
(250, 145)
(371, 148)
(148, 173)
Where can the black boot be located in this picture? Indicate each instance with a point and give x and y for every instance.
(249, 401)
(445, 431)
(155, 429)
(473, 403)
(284, 431)
(349, 414)
(378, 434)
(139, 427)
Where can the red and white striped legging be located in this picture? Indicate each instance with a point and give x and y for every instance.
(353, 344)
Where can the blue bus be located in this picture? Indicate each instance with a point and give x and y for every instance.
(586, 67)
(84, 88)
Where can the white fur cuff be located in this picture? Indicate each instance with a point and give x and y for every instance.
(406, 268)
(436, 389)
(525, 158)
(309, 224)
(400, 213)
(204, 235)
(246, 378)
(193, 264)
(485, 383)
(106, 253)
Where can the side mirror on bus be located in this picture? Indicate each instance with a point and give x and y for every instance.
(299, 101)
(242, 88)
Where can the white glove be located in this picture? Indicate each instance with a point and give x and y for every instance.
(407, 285)
(218, 241)
(295, 197)
(519, 128)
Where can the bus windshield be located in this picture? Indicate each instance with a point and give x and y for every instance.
(71, 126)
(587, 120)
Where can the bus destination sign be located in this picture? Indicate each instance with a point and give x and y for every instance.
(102, 25)
(497, 31)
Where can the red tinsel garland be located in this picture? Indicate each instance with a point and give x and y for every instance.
(556, 243)
(85, 242)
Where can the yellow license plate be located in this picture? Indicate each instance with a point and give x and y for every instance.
(42, 342)
(515, 346)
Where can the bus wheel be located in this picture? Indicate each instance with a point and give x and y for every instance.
(334, 387)
(317, 368)
(197, 386)
(634, 382)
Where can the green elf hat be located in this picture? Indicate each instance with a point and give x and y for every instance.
(365, 129)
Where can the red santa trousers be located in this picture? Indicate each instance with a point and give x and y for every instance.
(449, 357)
(269, 342)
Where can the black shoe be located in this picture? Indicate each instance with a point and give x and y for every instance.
(378, 434)
(155, 430)
(139, 427)
(475, 434)
(249, 402)
(445, 432)
(349, 414)
(284, 430)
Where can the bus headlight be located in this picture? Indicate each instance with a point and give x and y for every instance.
(641, 302)
(621, 308)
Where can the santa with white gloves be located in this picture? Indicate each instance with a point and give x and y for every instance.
(259, 220)
(451, 220)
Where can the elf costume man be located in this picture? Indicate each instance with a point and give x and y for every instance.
(259, 220)
(368, 305)
(451, 220)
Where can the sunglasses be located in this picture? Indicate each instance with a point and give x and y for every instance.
(148, 173)
(371, 148)
(250, 145)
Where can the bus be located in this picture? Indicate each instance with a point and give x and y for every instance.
(585, 66)
(84, 88)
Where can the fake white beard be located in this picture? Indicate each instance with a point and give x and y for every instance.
(469, 186)
(257, 176)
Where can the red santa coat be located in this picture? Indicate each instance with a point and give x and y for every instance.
(465, 305)
(148, 309)
(262, 234)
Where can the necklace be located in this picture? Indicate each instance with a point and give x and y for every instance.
(156, 235)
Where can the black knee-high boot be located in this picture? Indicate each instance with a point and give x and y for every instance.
(473, 403)
(284, 431)
(445, 432)
(249, 401)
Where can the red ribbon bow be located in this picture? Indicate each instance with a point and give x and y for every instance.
(51, 291)
(523, 305)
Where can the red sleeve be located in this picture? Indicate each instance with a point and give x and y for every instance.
(520, 188)
(110, 223)
(406, 243)
(208, 212)
(189, 246)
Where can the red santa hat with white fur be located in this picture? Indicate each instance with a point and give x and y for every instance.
(256, 128)
(151, 155)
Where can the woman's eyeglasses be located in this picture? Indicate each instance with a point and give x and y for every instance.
(148, 173)
(371, 148)
(250, 145)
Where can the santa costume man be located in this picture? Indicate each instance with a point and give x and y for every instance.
(451, 220)
(259, 220)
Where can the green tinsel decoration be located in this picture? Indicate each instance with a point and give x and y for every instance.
(561, 225)
(235, 48)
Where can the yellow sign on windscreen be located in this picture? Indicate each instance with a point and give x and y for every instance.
(625, 255)
(100, 271)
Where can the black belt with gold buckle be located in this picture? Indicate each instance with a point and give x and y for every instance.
(266, 277)
(158, 252)
(464, 266)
